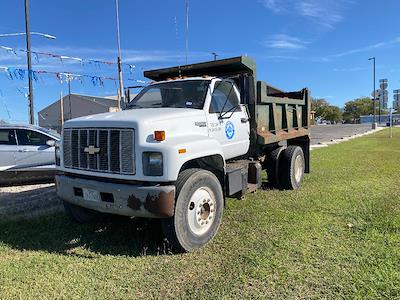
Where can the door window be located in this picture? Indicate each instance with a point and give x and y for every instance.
(7, 137)
(31, 138)
(224, 98)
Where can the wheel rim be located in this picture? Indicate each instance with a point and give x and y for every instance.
(298, 168)
(201, 211)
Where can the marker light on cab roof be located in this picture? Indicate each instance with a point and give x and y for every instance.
(159, 135)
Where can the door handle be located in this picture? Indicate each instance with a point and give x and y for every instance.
(244, 120)
(23, 150)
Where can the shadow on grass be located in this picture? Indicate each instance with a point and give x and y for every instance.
(113, 236)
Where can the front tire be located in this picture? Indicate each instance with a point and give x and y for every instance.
(198, 210)
(79, 214)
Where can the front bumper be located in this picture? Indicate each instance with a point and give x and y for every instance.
(127, 200)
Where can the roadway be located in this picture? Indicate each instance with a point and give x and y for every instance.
(326, 133)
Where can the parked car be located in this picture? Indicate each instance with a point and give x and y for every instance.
(26, 154)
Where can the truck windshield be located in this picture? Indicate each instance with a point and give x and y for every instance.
(177, 94)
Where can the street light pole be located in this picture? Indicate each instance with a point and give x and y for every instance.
(29, 62)
(215, 55)
(374, 91)
(119, 62)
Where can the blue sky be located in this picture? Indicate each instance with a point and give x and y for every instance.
(320, 44)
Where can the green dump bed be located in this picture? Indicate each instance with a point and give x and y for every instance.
(281, 116)
(275, 115)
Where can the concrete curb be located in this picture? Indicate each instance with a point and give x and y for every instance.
(345, 139)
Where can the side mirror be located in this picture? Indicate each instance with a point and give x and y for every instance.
(51, 143)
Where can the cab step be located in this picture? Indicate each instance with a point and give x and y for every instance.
(242, 177)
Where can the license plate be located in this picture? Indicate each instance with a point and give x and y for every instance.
(91, 195)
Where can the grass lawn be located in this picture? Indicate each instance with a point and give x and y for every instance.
(337, 237)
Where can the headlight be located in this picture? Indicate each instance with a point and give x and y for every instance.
(152, 164)
(57, 153)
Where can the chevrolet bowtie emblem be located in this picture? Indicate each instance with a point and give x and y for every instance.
(92, 150)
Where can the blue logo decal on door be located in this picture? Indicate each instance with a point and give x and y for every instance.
(229, 130)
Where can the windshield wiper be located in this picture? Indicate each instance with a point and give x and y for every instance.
(226, 101)
(232, 110)
(133, 106)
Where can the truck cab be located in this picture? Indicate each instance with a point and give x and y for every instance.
(180, 147)
(217, 101)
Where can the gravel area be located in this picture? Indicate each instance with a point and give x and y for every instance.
(28, 201)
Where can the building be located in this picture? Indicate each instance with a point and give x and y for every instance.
(384, 119)
(312, 117)
(75, 106)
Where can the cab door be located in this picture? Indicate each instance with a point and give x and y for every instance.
(228, 121)
(33, 150)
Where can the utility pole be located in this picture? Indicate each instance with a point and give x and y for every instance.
(62, 108)
(187, 30)
(69, 96)
(29, 62)
(374, 92)
(119, 60)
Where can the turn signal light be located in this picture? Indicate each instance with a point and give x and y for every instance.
(159, 136)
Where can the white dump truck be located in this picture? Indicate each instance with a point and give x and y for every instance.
(195, 136)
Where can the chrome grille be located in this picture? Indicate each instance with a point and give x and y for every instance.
(67, 148)
(103, 154)
(112, 150)
(126, 147)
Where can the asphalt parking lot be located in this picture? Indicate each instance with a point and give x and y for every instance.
(326, 133)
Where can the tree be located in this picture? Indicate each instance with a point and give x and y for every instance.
(333, 114)
(319, 106)
(355, 108)
(325, 111)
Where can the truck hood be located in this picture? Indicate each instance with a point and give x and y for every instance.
(129, 118)
(174, 121)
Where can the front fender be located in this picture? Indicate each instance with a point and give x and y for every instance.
(179, 150)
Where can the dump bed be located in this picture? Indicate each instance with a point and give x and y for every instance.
(275, 115)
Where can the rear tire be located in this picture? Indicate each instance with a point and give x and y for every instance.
(291, 168)
(198, 210)
(272, 166)
(79, 214)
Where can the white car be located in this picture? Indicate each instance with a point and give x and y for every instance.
(26, 154)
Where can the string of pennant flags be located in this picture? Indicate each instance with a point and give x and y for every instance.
(21, 74)
(14, 73)
(83, 61)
